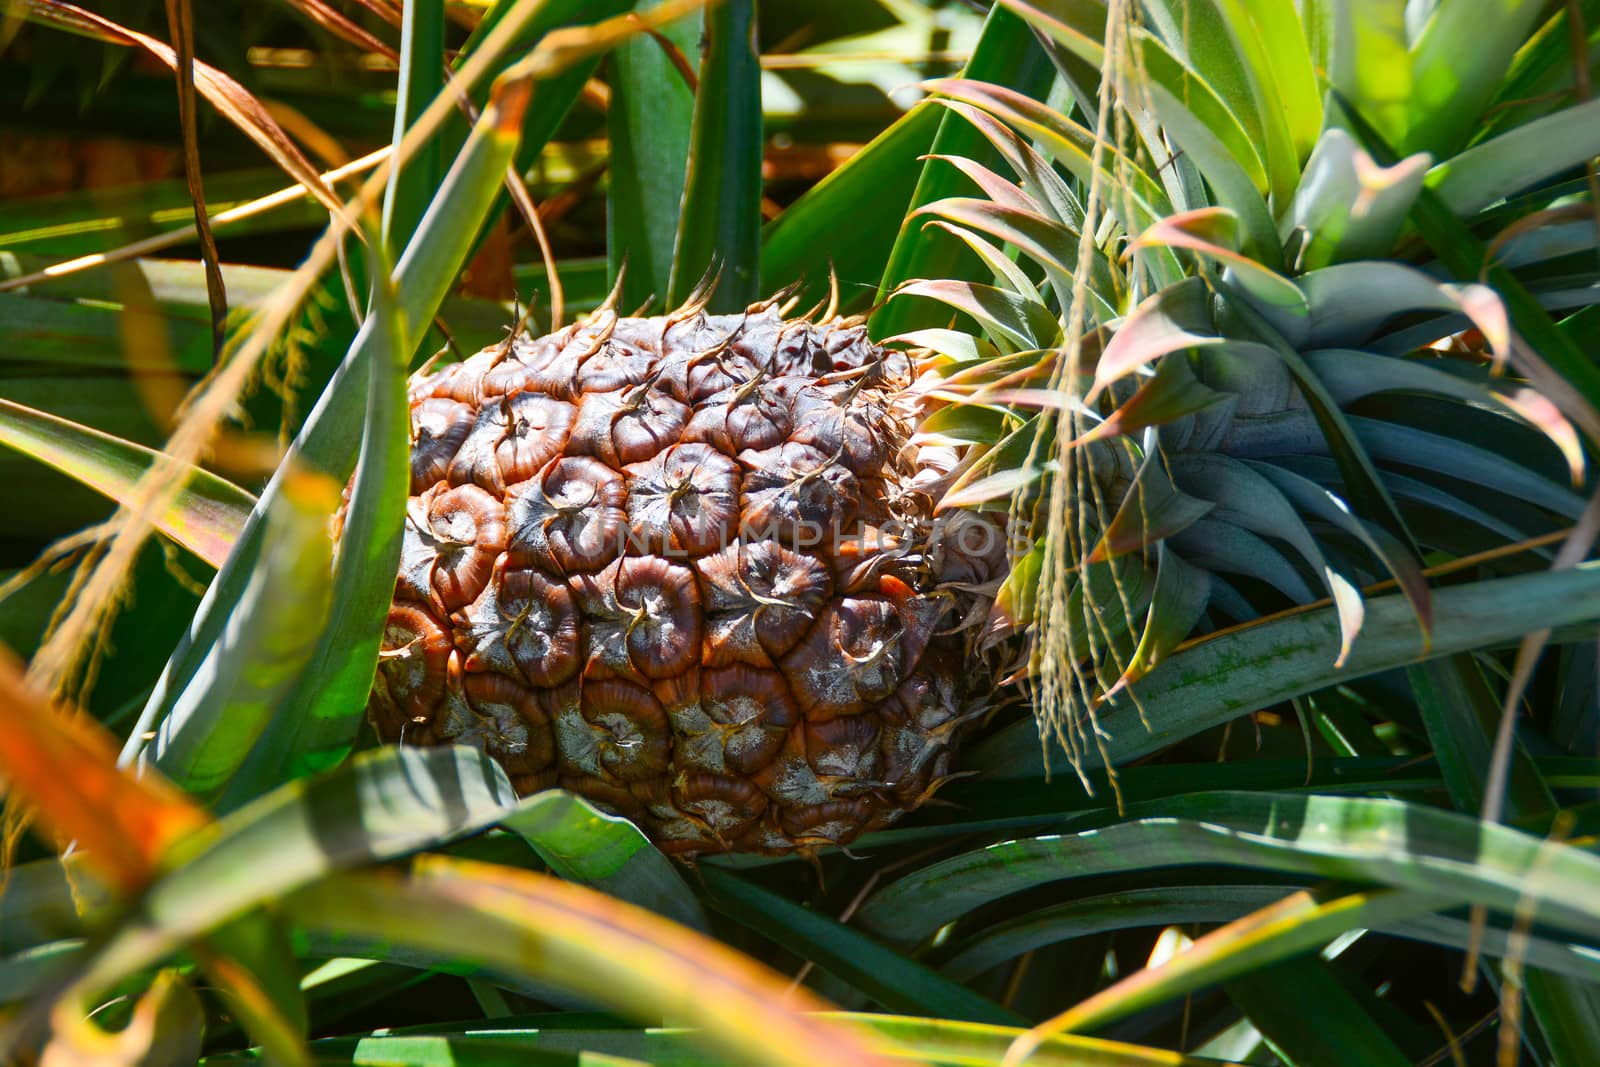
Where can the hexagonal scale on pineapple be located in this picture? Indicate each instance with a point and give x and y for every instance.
(684, 502)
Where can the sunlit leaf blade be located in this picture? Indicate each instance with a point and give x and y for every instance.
(1023, 324)
(1079, 28)
(584, 844)
(205, 518)
(411, 186)
(62, 766)
(557, 1046)
(218, 720)
(540, 928)
(1217, 38)
(1457, 62)
(952, 1041)
(1205, 128)
(648, 122)
(1387, 842)
(1219, 902)
(997, 470)
(720, 227)
(1140, 201)
(1226, 675)
(316, 725)
(1298, 922)
(1362, 47)
(965, 424)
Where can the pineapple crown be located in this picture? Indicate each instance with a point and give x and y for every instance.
(1207, 359)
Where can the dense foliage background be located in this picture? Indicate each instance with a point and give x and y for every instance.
(1316, 282)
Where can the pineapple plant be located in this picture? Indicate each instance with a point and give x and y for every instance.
(688, 567)
(604, 586)
(1212, 370)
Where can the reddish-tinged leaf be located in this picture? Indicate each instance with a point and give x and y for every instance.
(1171, 393)
(1052, 399)
(1163, 324)
(1488, 313)
(1539, 412)
(332, 20)
(998, 189)
(1213, 232)
(1026, 325)
(63, 766)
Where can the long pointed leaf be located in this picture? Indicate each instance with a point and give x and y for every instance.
(206, 516)
(649, 123)
(720, 228)
(550, 931)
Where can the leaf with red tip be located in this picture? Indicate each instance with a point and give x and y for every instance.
(538, 928)
(1171, 393)
(1025, 325)
(1213, 232)
(1167, 322)
(1540, 413)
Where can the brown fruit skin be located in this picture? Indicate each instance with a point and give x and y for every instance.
(686, 566)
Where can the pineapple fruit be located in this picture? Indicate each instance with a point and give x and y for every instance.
(688, 567)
